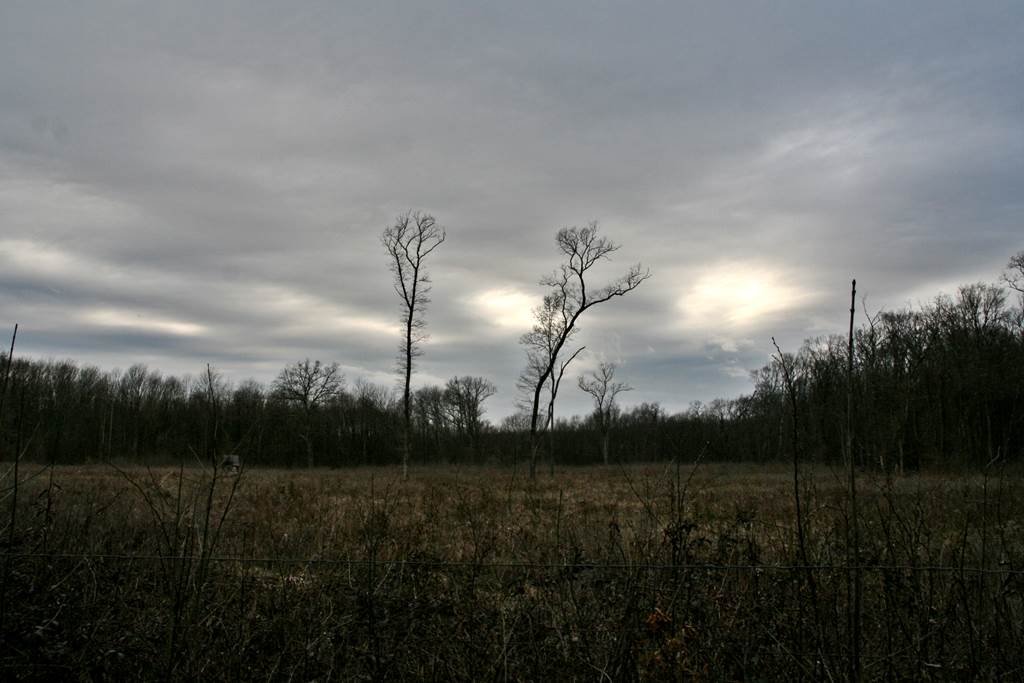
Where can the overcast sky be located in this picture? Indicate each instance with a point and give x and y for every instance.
(192, 182)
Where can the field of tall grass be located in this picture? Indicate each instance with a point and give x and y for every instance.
(656, 573)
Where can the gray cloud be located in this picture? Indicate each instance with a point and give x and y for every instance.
(183, 183)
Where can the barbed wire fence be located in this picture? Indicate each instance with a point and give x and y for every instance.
(367, 595)
(463, 564)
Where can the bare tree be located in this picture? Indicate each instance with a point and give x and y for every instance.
(1013, 276)
(465, 397)
(372, 418)
(602, 387)
(408, 242)
(212, 391)
(542, 352)
(563, 305)
(309, 384)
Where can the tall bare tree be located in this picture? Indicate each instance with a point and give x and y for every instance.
(567, 300)
(409, 241)
(542, 351)
(308, 384)
(601, 385)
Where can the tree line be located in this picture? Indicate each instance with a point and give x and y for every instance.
(64, 412)
(941, 383)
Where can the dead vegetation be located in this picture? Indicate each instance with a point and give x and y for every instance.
(660, 573)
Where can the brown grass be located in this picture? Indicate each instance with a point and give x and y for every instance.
(613, 573)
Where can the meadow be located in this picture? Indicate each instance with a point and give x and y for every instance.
(661, 572)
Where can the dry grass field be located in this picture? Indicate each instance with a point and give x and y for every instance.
(655, 573)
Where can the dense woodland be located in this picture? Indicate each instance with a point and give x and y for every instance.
(942, 384)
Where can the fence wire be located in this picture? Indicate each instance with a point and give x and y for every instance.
(471, 564)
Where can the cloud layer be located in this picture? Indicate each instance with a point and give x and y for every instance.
(182, 183)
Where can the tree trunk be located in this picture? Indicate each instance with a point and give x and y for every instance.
(406, 407)
(534, 448)
(307, 437)
(309, 450)
(551, 439)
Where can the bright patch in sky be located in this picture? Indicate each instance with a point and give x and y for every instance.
(739, 295)
(39, 257)
(301, 313)
(138, 321)
(506, 307)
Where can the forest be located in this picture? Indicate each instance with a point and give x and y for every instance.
(938, 384)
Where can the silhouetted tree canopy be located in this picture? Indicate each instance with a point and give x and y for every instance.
(942, 384)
